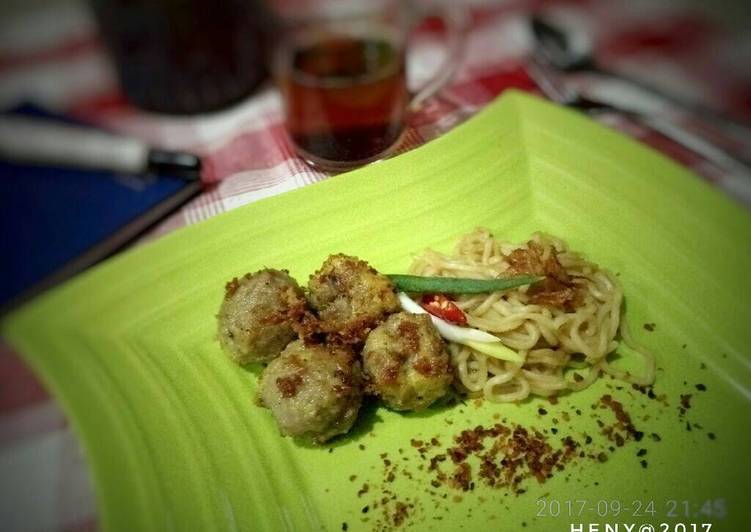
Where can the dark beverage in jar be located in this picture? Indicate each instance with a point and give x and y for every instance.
(186, 56)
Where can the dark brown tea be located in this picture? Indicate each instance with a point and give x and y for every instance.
(346, 99)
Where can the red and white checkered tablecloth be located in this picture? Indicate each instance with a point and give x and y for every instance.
(44, 483)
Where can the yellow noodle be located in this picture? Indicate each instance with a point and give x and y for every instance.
(562, 350)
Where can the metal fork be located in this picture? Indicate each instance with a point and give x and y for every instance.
(554, 86)
(554, 44)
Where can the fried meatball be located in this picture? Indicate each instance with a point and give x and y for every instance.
(406, 362)
(258, 314)
(313, 391)
(351, 297)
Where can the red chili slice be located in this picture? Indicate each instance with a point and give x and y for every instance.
(441, 306)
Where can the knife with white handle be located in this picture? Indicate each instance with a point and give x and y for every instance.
(45, 142)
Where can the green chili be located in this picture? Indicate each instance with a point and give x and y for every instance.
(456, 285)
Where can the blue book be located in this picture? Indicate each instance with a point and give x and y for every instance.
(55, 222)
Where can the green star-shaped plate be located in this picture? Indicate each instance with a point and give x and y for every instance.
(175, 441)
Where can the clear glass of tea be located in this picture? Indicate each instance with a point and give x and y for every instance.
(341, 69)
